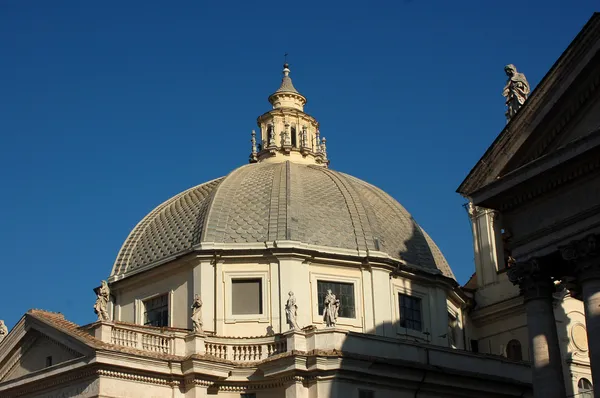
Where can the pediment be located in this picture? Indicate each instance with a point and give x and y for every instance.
(564, 107)
(33, 346)
(574, 115)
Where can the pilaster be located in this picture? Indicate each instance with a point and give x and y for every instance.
(536, 285)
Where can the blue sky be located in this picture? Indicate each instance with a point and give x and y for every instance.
(109, 108)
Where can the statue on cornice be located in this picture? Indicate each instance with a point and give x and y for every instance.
(331, 309)
(516, 90)
(291, 311)
(101, 306)
(197, 314)
(3, 330)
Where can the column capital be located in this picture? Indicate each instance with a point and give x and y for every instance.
(534, 281)
(584, 255)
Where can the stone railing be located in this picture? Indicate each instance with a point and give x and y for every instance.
(176, 342)
(245, 349)
(142, 340)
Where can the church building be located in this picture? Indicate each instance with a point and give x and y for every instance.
(286, 278)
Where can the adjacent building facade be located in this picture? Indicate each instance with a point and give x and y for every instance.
(534, 201)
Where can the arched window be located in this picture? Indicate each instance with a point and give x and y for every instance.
(294, 138)
(269, 133)
(513, 350)
(585, 388)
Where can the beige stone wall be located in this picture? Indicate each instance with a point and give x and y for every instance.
(376, 297)
(174, 283)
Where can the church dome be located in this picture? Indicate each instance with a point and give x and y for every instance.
(307, 206)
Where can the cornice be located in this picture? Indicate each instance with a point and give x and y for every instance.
(567, 116)
(286, 111)
(49, 382)
(498, 311)
(551, 185)
(280, 248)
(538, 169)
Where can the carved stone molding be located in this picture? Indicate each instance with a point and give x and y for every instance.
(584, 255)
(534, 281)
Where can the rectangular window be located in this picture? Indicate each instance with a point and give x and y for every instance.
(343, 292)
(246, 296)
(156, 311)
(452, 324)
(410, 312)
(48, 361)
(366, 393)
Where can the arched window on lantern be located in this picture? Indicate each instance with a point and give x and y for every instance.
(294, 137)
(585, 388)
(513, 350)
(270, 132)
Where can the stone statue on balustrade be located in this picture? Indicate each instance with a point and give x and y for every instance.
(3, 330)
(516, 90)
(291, 311)
(331, 307)
(101, 306)
(197, 314)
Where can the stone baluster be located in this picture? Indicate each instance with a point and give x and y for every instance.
(584, 256)
(537, 287)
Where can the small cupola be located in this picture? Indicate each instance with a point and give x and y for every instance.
(286, 95)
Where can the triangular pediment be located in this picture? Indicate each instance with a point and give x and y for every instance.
(564, 107)
(574, 115)
(34, 346)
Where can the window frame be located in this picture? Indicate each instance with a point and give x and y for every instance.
(229, 276)
(416, 301)
(261, 304)
(140, 308)
(416, 291)
(582, 391)
(511, 344)
(357, 321)
(319, 301)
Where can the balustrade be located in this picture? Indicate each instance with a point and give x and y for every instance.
(232, 349)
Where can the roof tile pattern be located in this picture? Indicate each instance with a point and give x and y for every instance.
(167, 230)
(324, 216)
(286, 86)
(264, 202)
(240, 209)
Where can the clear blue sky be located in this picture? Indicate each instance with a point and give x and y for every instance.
(109, 108)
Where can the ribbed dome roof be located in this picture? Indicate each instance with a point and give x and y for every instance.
(267, 202)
